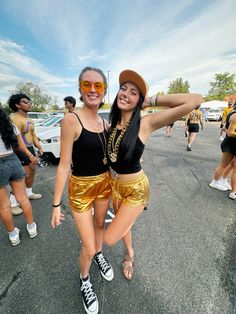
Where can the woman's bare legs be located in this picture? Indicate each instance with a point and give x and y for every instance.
(100, 210)
(84, 224)
(18, 188)
(120, 228)
(5, 210)
(223, 169)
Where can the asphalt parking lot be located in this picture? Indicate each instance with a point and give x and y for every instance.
(184, 243)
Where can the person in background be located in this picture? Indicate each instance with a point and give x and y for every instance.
(20, 104)
(205, 114)
(226, 111)
(230, 126)
(192, 121)
(225, 168)
(169, 129)
(70, 103)
(12, 172)
(128, 134)
(83, 140)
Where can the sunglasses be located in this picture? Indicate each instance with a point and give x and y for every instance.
(86, 86)
(26, 102)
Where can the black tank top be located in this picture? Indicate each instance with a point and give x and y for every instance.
(87, 152)
(132, 165)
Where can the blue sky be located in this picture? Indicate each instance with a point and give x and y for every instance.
(49, 42)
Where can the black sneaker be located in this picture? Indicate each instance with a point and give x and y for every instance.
(106, 269)
(90, 300)
(189, 148)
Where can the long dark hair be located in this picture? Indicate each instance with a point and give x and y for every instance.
(7, 131)
(130, 137)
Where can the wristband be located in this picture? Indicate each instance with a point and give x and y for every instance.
(56, 205)
(153, 101)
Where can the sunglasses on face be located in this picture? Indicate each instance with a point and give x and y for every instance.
(86, 86)
(26, 102)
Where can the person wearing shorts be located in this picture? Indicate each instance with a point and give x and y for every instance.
(12, 172)
(230, 126)
(192, 121)
(224, 169)
(20, 104)
(83, 140)
(127, 137)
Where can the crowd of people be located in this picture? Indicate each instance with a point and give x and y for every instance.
(115, 174)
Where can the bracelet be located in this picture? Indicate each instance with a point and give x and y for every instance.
(56, 205)
(153, 101)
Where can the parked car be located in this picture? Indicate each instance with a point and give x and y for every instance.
(214, 115)
(38, 116)
(53, 121)
(50, 142)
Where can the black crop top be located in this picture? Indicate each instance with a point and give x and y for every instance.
(132, 165)
(88, 154)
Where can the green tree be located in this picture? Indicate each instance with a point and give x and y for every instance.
(223, 85)
(40, 100)
(178, 86)
(54, 107)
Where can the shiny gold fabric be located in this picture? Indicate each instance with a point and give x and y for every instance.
(133, 192)
(84, 190)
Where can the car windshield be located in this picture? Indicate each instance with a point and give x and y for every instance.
(51, 121)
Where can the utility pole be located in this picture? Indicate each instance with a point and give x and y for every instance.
(108, 87)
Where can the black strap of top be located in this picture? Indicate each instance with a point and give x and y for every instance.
(82, 123)
(78, 119)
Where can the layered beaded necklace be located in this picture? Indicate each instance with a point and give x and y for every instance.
(113, 146)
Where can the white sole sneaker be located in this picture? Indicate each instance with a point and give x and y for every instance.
(232, 195)
(217, 186)
(16, 239)
(32, 232)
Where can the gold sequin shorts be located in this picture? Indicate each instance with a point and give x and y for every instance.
(133, 192)
(84, 190)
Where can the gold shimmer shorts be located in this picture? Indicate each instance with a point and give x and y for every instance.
(84, 190)
(133, 192)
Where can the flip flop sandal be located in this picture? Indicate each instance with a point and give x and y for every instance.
(128, 271)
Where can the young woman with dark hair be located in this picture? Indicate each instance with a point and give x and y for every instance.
(11, 172)
(83, 140)
(128, 134)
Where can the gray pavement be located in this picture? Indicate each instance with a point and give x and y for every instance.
(183, 243)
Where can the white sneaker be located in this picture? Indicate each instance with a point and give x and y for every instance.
(225, 183)
(16, 210)
(34, 196)
(221, 138)
(216, 184)
(15, 239)
(32, 231)
(13, 200)
(232, 195)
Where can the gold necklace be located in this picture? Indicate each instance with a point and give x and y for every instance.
(112, 146)
(103, 147)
